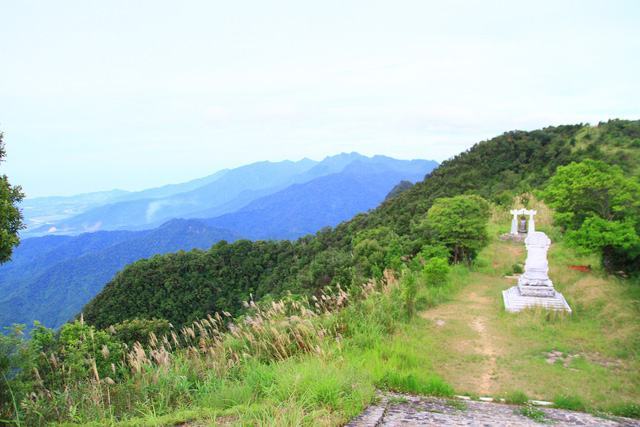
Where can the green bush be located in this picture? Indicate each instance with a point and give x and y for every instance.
(516, 398)
(534, 413)
(573, 403)
(433, 251)
(436, 272)
(629, 410)
(409, 292)
(140, 330)
(517, 268)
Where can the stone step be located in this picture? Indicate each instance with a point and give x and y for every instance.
(514, 301)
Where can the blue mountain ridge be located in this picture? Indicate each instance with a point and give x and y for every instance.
(52, 277)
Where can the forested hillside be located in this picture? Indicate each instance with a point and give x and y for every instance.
(182, 287)
(52, 277)
(71, 270)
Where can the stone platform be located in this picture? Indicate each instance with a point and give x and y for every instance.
(514, 301)
(406, 410)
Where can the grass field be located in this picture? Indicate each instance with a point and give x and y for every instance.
(589, 357)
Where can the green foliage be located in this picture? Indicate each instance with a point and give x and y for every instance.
(131, 330)
(288, 361)
(516, 397)
(409, 291)
(53, 362)
(436, 272)
(517, 268)
(10, 345)
(329, 268)
(375, 249)
(185, 286)
(534, 413)
(591, 188)
(630, 410)
(600, 209)
(399, 188)
(411, 383)
(10, 215)
(460, 224)
(573, 403)
(84, 351)
(433, 251)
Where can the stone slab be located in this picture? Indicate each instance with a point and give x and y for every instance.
(536, 291)
(407, 410)
(514, 301)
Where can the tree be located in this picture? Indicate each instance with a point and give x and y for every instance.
(375, 250)
(460, 224)
(10, 215)
(591, 188)
(599, 208)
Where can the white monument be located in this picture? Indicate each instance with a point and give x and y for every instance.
(534, 288)
(520, 227)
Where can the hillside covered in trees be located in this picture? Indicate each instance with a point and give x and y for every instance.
(184, 286)
(50, 278)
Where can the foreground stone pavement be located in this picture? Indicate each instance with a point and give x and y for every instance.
(406, 410)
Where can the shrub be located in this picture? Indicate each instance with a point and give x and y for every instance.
(88, 352)
(409, 292)
(572, 403)
(517, 398)
(630, 410)
(436, 272)
(534, 413)
(433, 251)
(140, 330)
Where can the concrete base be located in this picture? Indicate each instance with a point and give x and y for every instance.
(536, 291)
(514, 301)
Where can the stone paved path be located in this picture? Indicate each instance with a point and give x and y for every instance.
(404, 410)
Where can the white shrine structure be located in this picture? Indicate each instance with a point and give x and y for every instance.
(519, 224)
(534, 288)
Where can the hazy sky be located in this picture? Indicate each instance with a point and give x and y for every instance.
(132, 94)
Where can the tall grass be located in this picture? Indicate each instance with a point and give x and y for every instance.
(300, 362)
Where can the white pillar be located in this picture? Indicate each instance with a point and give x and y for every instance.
(514, 223)
(532, 225)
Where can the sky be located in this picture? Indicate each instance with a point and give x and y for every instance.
(135, 94)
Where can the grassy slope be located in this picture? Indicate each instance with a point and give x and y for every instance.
(480, 349)
(463, 342)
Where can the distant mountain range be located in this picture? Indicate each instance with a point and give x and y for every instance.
(220, 193)
(326, 201)
(51, 277)
(42, 213)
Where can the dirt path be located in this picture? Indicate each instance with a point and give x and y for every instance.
(467, 330)
(487, 354)
(486, 349)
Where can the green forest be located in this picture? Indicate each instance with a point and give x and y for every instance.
(183, 287)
